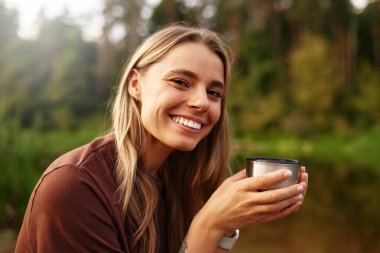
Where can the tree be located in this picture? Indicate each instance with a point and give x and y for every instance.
(366, 101)
(314, 82)
(50, 74)
(8, 25)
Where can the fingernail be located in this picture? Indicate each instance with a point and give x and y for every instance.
(300, 188)
(287, 173)
(300, 197)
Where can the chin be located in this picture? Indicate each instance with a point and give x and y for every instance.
(185, 147)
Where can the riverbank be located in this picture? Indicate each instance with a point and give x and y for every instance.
(359, 149)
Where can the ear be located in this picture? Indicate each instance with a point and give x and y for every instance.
(134, 84)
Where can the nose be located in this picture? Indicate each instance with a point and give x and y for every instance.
(199, 100)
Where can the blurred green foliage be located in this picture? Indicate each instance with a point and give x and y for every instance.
(359, 150)
(295, 71)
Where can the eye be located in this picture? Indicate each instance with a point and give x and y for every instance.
(179, 82)
(215, 93)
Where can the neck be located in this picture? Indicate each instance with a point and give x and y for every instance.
(155, 155)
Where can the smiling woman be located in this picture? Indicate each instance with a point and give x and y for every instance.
(185, 90)
(156, 182)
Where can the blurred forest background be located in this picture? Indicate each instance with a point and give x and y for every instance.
(306, 85)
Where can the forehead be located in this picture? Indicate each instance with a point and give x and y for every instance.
(195, 57)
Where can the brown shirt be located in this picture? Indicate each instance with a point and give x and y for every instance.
(74, 206)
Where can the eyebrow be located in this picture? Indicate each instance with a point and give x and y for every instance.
(192, 75)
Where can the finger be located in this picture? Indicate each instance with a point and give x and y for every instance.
(238, 176)
(273, 196)
(305, 181)
(280, 205)
(304, 177)
(302, 171)
(285, 212)
(265, 180)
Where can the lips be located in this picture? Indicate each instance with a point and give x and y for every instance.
(187, 122)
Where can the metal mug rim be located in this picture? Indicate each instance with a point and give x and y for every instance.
(273, 160)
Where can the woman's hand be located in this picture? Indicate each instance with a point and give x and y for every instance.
(238, 203)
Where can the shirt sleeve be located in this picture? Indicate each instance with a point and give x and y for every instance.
(71, 213)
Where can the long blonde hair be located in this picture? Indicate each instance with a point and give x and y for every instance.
(189, 177)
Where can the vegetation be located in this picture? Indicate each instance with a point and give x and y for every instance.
(301, 73)
(353, 150)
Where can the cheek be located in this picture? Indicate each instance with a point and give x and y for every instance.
(151, 115)
(215, 113)
(146, 114)
(214, 116)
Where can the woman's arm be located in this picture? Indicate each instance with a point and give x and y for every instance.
(237, 203)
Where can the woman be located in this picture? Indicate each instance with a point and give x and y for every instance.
(155, 183)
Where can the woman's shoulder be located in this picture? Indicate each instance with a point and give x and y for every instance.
(74, 199)
(101, 148)
(87, 168)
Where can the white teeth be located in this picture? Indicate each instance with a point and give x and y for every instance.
(187, 122)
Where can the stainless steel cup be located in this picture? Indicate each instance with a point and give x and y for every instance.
(260, 165)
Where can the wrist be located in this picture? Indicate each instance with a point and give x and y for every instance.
(225, 239)
(209, 222)
(202, 237)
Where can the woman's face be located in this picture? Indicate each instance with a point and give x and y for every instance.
(180, 96)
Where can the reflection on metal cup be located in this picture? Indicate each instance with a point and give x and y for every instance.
(260, 165)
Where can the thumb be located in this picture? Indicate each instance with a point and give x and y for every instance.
(238, 176)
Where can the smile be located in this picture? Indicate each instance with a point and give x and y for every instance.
(187, 122)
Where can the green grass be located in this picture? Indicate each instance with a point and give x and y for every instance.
(357, 150)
